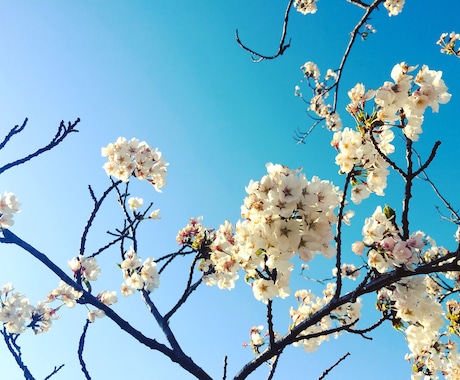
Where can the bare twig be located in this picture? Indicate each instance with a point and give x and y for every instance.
(338, 236)
(224, 376)
(271, 332)
(15, 350)
(282, 46)
(55, 370)
(96, 207)
(15, 130)
(189, 289)
(273, 367)
(326, 372)
(61, 134)
(81, 346)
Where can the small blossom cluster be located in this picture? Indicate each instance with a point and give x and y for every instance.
(86, 268)
(394, 7)
(404, 100)
(357, 153)
(284, 214)
(17, 314)
(448, 45)
(305, 6)
(138, 275)
(9, 206)
(415, 310)
(195, 234)
(309, 304)
(387, 249)
(402, 103)
(107, 298)
(135, 158)
(135, 203)
(347, 270)
(320, 89)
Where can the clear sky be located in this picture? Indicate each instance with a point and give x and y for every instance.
(171, 73)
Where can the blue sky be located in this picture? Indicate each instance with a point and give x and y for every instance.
(172, 74)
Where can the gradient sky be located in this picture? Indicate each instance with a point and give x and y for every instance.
(171, 73)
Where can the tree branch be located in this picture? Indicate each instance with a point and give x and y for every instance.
(81, 346)
(87, 298)
(61, 134)
(326, 372)
(282, 46)
(15, 130)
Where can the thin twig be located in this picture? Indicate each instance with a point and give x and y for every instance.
(97, 206)
(273, 367)
(338, 236)
(326, 372)
(15, 130)
(61, 134)
(282, 46)
(81, 346)
(15, 350)
(189, 289)
(224, 376)
(56, 370)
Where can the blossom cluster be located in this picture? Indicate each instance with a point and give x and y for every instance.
(308, 304)
(107, 298)
(195, 234)
(85, 267)
(359, 153)
(9, 206)
(138, 275)
(17, 314)
(321, 89)
(363, 152)
(394, 7)
(447, 41)
(135, 158)
(415, 310)
(284, 214)
(387, 248)
(305, 6)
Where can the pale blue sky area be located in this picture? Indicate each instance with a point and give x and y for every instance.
(171, 73)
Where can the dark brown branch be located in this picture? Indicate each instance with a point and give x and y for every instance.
(15, 350)
(353, 34)
(61, 134)
(55, 370)
(97, 206)
(224, 376)
(282, 46)
(15, 130)
(326, 372)
(81, 346)
(359, 3)
(273, 367)
(189, 289)
(338, 236)
(387, 159)
(430, 159)
(271, 332)
(407, 190)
